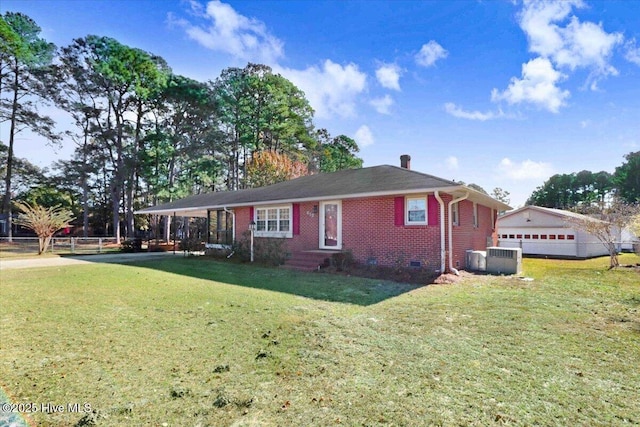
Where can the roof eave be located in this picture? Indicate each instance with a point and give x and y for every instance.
(476, 195)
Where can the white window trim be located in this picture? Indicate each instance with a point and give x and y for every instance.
(406, 210)
(276, 234)
(321, 225)
(455, 214)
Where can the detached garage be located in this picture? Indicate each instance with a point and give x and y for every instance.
(547, 232)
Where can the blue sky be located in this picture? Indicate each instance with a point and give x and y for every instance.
(498, 93)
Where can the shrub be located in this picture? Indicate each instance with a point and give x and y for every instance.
(131, 245)
(190, 244)
(342, 260)
(266, 250)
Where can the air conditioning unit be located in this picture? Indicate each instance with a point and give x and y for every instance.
(476, 260)
(504, 260)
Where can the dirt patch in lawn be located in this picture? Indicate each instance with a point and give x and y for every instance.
(416, 276)
(634, 267)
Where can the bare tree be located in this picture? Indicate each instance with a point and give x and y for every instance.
(43, 221)
(606, 225)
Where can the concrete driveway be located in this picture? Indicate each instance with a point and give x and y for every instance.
(116, 258)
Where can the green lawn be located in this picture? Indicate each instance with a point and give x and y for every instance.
(196, 342)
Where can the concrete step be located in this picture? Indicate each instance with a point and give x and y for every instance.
(306, 261)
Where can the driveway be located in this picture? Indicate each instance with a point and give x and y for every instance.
(116, 258)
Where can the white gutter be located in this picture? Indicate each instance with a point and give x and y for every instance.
(295, 200)
(443, 250)
(450, 223)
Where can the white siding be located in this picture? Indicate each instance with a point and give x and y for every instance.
(542, 233)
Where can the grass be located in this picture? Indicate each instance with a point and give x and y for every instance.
(188, 342)
(9, 252)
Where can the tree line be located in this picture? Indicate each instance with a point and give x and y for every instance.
(586, 190)
(144, 135)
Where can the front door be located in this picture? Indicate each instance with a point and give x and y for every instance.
(331, 225)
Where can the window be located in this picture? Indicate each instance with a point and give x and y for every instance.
(273, 221)
(543, 237)
(519, 236)
(552, 237)
(512, 236)
(220, 227)
(571, 237)
(560, 236)
(416, 210)
(527, 236)
(455, 214)
(475, 215)
(534, 237)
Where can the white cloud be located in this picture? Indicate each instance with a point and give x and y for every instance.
(537, 20)
(363, 136)
(632, 53)
(382, 105)
(526, 170)
(576, 44)
(456, 111)
(331, 89)
(452, 162)
(430, 53)
(388, 76)
(538, 86)
(227, 31)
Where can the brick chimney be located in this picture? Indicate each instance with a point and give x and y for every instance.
(405, 161)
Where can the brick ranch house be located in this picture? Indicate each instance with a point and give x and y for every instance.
(383, 215)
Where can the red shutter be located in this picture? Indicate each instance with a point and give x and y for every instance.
(399, 211)
(296, 219)
(251, 217)
(433, 208)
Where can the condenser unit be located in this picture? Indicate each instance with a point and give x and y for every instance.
(476, 260)
(504, 260)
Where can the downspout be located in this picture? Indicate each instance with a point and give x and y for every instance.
(443, 250)
(450, 223)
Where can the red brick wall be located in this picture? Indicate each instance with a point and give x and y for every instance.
(309, 223)
(369, 231)
(466, 236)
(242, 222)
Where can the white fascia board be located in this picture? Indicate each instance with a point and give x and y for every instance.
(332, 197)
(474, 195)
(337, 197)
(192, 212)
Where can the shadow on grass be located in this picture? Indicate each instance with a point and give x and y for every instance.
(319, 286)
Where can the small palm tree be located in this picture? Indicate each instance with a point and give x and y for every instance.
(43, 221)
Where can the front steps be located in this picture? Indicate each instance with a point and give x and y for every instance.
(307, 260)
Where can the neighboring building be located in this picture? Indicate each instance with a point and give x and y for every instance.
(384, 215)
(628, 240)
(4, 228)
(547, 232)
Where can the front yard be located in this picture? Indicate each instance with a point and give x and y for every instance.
(196, 342)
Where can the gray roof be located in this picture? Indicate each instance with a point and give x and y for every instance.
(351, 183)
